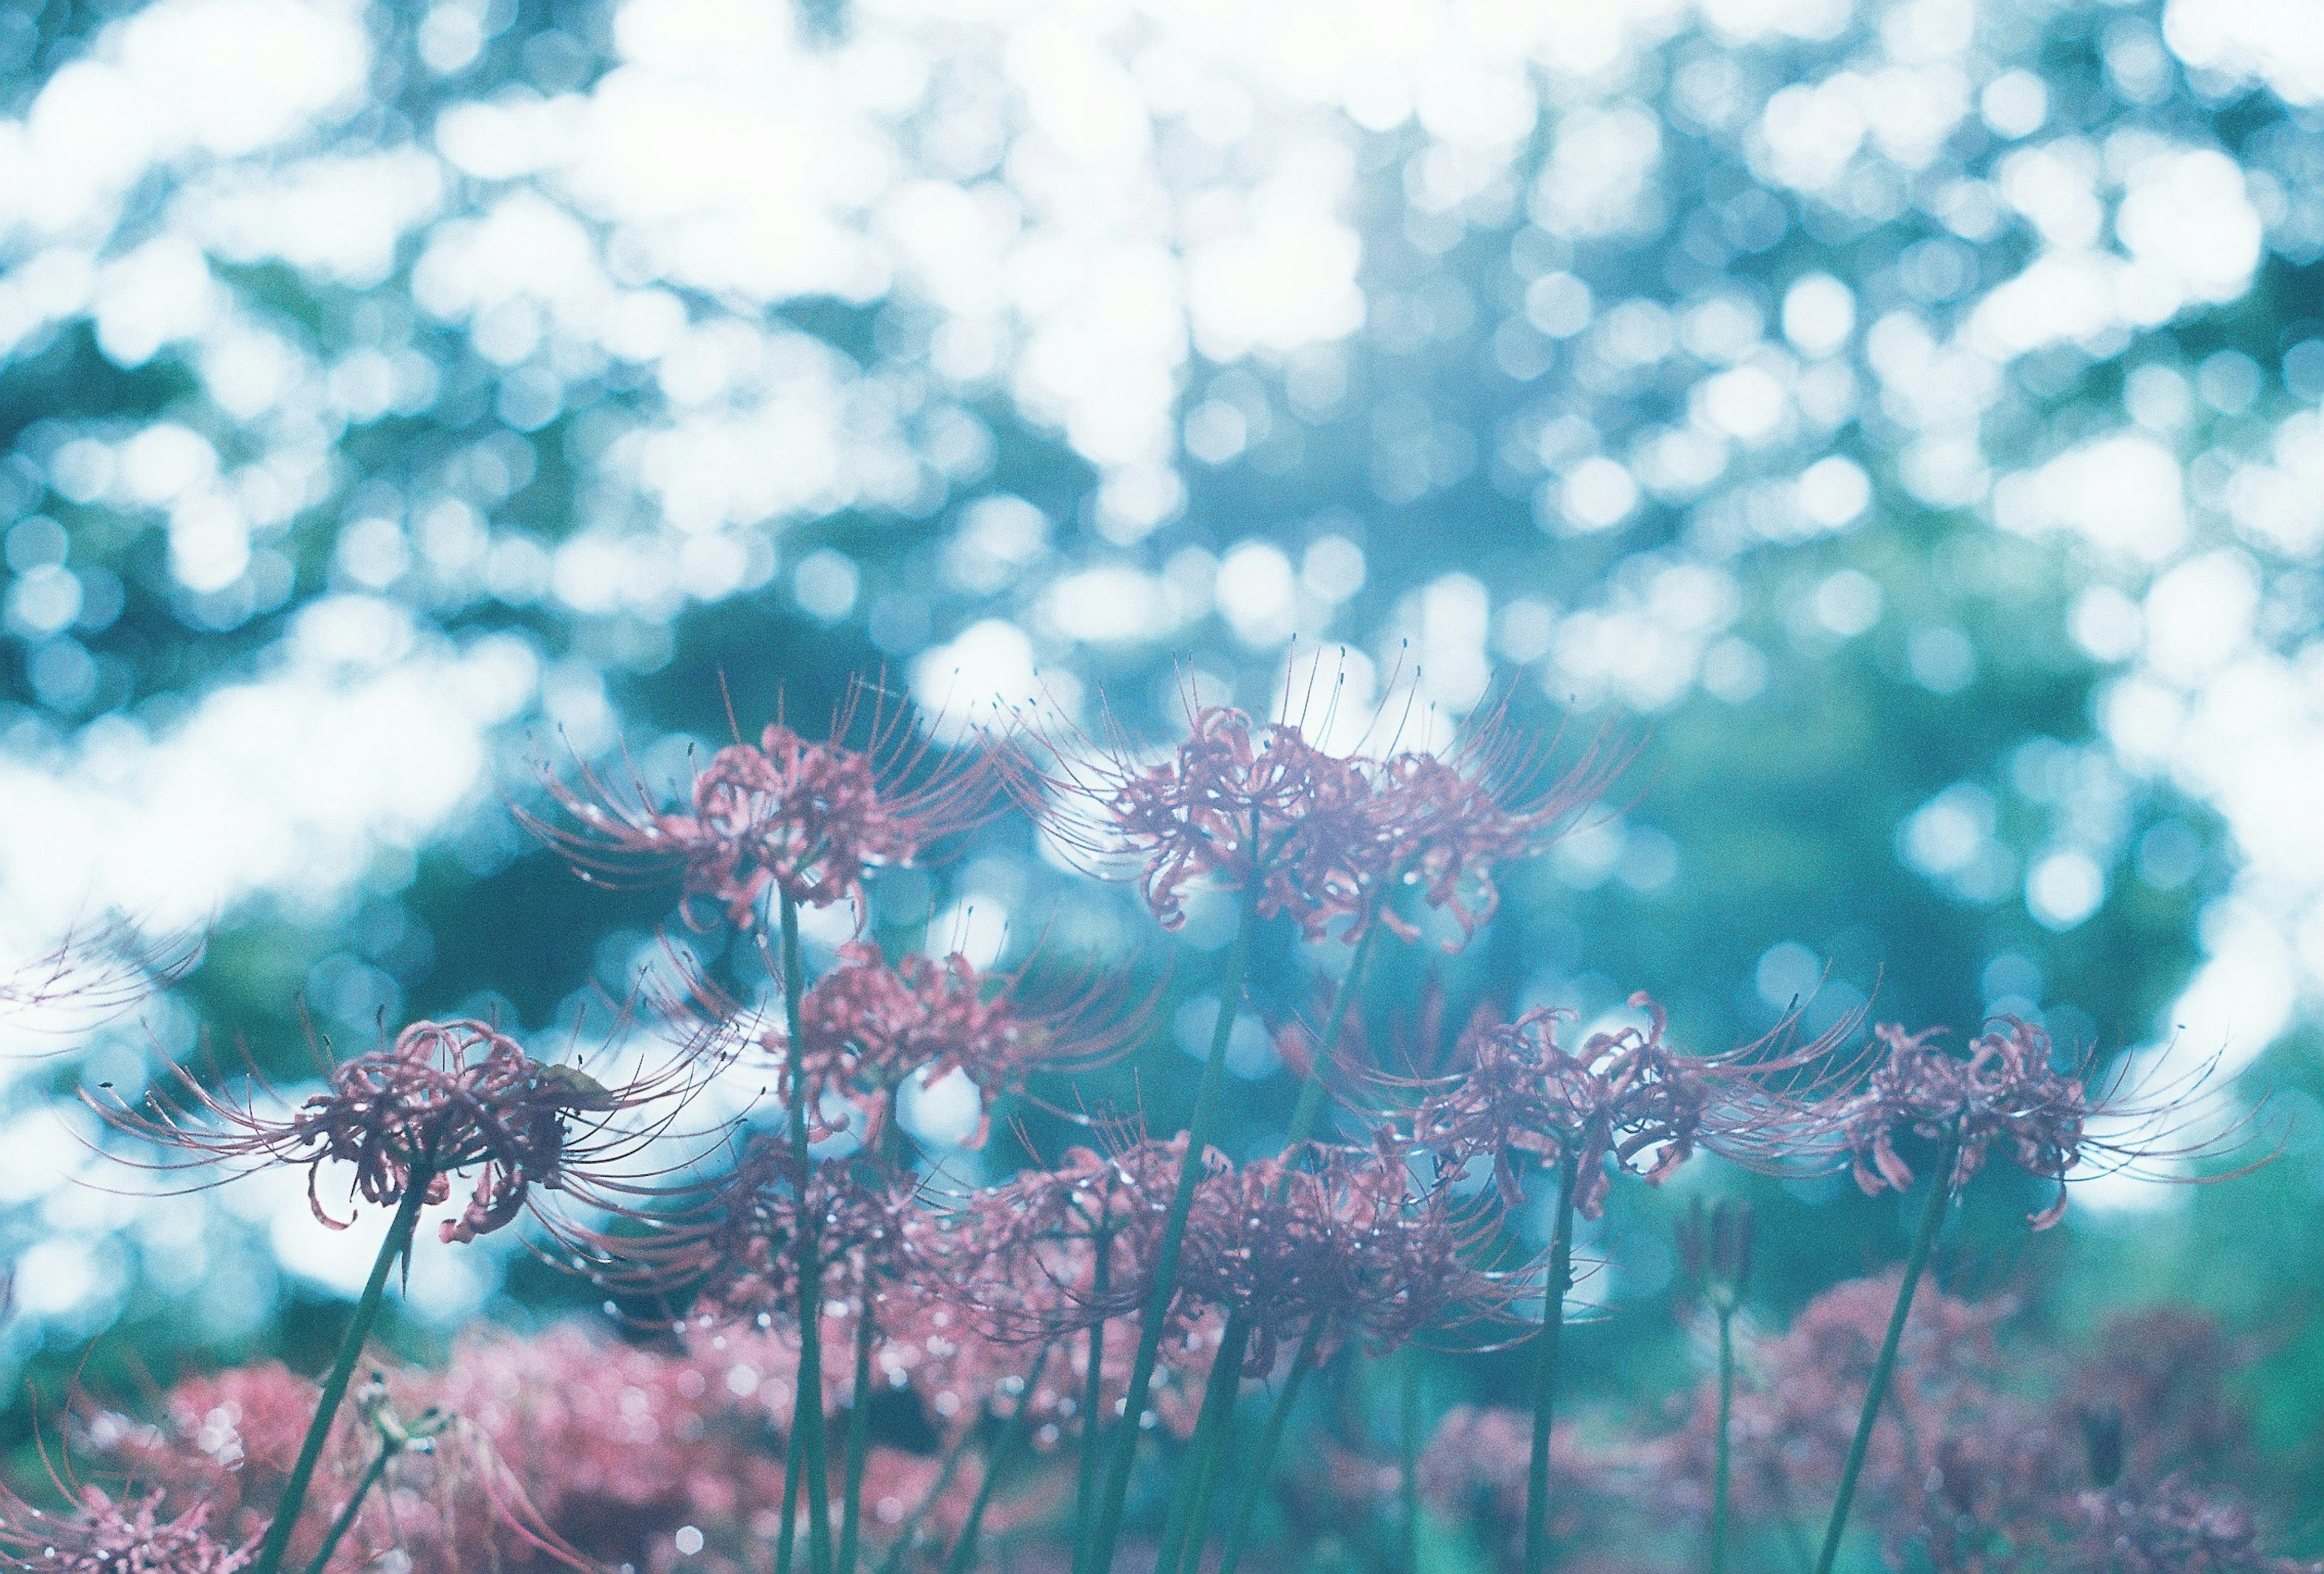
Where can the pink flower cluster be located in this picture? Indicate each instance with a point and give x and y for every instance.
(1977, 1471)
(1012, 1313)
(566, 1447)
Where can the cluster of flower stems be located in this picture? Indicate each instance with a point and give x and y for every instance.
(1375, 1242)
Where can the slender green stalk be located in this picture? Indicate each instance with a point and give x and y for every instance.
(1544, 1376)
(1191, 1502)
(1085, 1482)
(345, 1521)
(1004, 1455)
(788, 1537)
(909, 1536)
(335, 1386)
(859, 1438)
(1256, 1474)
(1718, 1474)
(1344, 996)
(1924, 1238)
(1107, 1531)
(1410, 1427)
(808, 1414)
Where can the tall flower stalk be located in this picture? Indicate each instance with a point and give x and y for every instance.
(1876, 1394)
(1255, 1476)
(1183, 1532)
(859, 1434)
(1409, 1401)
(1106, 1529)
(342, 1368)
(1004, 1455)
(806, 1415)
(1715, 1244)
(1091, 1456)
(1547, 1352)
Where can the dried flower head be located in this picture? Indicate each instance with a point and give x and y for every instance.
(1715, 1251)
(805, 818)
(105, 1536)
(446, 1099)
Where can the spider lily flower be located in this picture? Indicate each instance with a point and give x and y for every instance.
(1627, 1100)
(1334, 1237)
(784, 813)
(2003, 1093)
(1444, 821)
(729, 1242)
(1237, 803)
(445, 1101)
(1325, 838)
(870, 1026)
(113, 1536)
(1025, 1252)
(2170, 1527)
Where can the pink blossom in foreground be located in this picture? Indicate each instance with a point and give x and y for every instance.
(446, 1099)
(105, 1535)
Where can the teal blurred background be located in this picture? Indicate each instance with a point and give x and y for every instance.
(1904, 417)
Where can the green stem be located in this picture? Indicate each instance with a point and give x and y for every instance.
(345, 1521)
(1343, 998)
(1255, 1474)
(1092, 1399)
(1107, 1532)
(1726, 1415)
(1410, 1482)
(1004, 1454)
(859, 1436)
(788, 1535)
(1190, 1504)
(1544, 1378)
(1924, 1238)
(807, 1413)
(909, 1534)
(335, 1386)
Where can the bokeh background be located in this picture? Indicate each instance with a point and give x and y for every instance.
(1904, 416)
